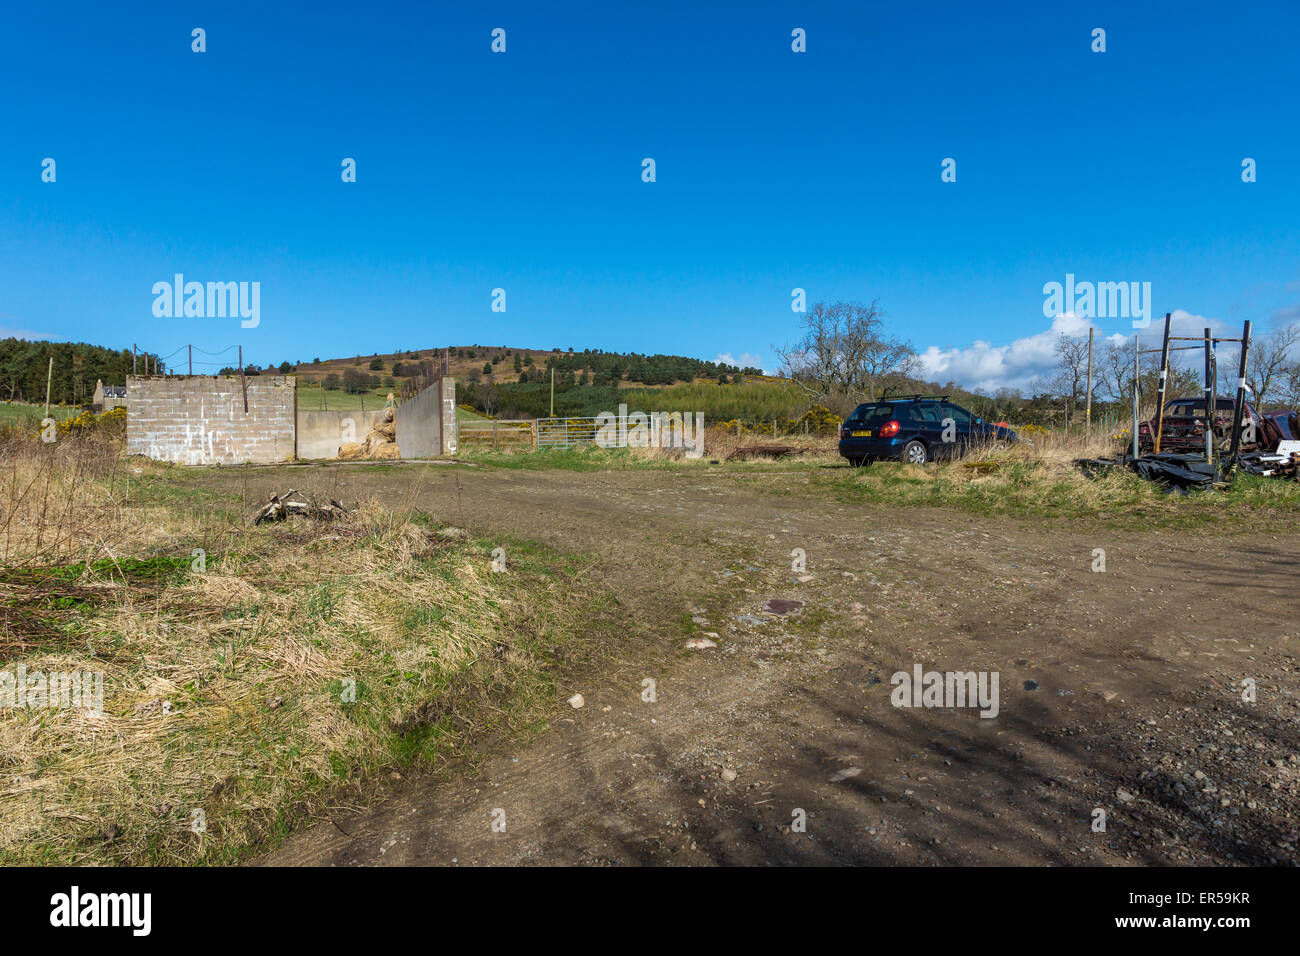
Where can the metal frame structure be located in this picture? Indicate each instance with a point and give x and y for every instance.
(1208, 343)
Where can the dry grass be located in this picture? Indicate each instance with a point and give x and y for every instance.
(54, 497)
(1039, 480)
(1052, 449)
(225, 688)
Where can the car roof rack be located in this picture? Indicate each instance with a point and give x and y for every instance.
(915, 398)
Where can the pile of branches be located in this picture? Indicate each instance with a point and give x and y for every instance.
(282, 506)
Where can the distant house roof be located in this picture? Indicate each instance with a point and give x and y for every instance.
(115, 391)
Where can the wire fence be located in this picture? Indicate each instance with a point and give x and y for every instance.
(499, 431)
(778, 428)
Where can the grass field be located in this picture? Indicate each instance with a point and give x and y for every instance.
(31, 415)
(312, 397)
(244, 687)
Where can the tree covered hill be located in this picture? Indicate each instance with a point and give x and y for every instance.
(501, 364)
(77, 365)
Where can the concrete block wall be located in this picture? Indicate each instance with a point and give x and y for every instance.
(320, 432)
(200, 420)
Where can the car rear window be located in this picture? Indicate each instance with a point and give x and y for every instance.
(875, 414)
(1197, 409)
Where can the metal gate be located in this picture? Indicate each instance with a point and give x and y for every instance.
(565, 432)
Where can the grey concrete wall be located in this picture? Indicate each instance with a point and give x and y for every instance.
(419, 425)
(200, 420)
(450, 426)
(321, 432)
(426, 423)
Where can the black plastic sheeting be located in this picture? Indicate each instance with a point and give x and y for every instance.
(1183, 471)
(1176, 471)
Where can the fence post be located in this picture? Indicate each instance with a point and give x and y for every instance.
(1210, 400)
(1239, 406)
(1137, 374)
(1160, 387)
(1087, 421)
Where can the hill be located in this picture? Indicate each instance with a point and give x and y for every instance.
(505, 364)
(349, 382)
(502, 381)
(77, 366)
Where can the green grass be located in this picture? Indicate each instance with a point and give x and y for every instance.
(31, 415)
(309, 398)
(160, 487)
(754, 401)
(160, 569)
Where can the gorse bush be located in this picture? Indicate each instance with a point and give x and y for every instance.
(112, 420)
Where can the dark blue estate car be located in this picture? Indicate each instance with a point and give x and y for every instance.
(915, 429)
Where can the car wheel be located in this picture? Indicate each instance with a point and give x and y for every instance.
(914, 453)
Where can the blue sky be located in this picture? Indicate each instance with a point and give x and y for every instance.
(775, 170)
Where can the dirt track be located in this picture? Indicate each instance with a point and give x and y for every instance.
(1116, 689)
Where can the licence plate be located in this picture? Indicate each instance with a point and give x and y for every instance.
(863, 434)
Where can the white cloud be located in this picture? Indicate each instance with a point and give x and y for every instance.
(8, 333)
(1017, 365)
(746, 360)
(1286, 316)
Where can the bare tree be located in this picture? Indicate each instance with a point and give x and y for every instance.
(1114, 371)
(845, 356)
(1270, 356)
(1070, 381)
(1114, 374)
(1289, 384)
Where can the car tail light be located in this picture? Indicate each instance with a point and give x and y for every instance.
(889, 429)
(844, 431)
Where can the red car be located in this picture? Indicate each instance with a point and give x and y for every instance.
(1184, 428)
(1288, 423)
